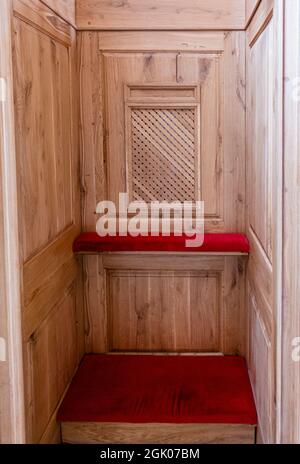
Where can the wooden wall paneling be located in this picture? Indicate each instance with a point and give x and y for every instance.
(161, 297)
(53, 358)
(64, 8)
(93, 181)
(95, 301)
(169, 15)
(127, 58)
(160, 305)
(290, 373)
(278, 199)
(234, 131)
(12, 422)
(262, 145)
(147, 41)
(261, 369)
(261, 221)
(182, 69)
(234, 322)
(47, 107)
(207, 71)
(47, 167)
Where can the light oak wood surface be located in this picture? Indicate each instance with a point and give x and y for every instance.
(12, 419)
(262, 223)
(154, 14)
(46, 109)
(290, 367)
(104, 433)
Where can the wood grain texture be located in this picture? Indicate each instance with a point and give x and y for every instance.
(53, 357)
(166, 311)
(105, 433)
(179, 305)
(36, 13)
(43, 137)
(260, 20)
(64, 8)
(154, 14)
(219, 73)
(12, 421)
(46, 107)
(290, 407)
(261, 369)
(221, 166)
(261, 222)
(164, 41)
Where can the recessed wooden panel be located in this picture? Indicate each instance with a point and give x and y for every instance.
(155, 14)
(261, 84)
(53, 356)
(219, 74)
(164, 311)
(261, 185)
(44, 153)
(261, 369)
(167, 140)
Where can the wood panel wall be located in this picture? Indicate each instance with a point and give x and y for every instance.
(12, 422)
(261, 221)
(46, 109)
(157, 15)
(111, 63)
(289, 411)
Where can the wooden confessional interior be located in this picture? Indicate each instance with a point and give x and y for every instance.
(88, 90)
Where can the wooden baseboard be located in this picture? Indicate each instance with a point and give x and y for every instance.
(122, 433)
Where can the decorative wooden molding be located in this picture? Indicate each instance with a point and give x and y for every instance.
(251, 7)
(147, 41)
(260, 21)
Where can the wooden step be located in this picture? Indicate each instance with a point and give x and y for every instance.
(159, 399)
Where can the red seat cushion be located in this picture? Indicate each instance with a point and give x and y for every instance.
(90, 242)
(160, 389)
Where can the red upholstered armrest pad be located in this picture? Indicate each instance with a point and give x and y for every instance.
(90, 242)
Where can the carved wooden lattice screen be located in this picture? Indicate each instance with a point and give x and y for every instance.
(163, 144)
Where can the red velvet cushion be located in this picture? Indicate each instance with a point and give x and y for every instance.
(90, 242)
(160, 389)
